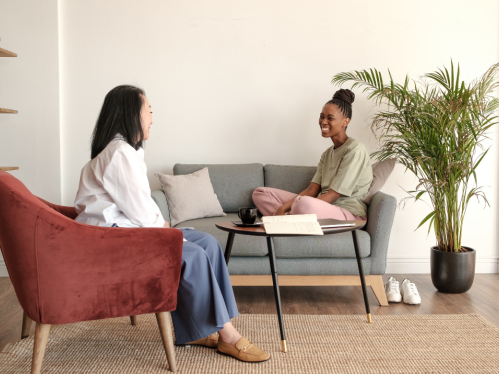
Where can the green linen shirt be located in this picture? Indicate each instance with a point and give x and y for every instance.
(346, 170)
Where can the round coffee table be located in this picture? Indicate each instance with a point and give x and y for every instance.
(260, 231)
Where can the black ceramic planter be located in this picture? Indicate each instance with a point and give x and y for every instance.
(452, 272)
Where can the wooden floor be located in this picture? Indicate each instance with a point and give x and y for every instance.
(483, 298)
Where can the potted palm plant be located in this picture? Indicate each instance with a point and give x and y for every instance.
(436, 128)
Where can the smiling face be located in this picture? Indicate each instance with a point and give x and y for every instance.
(145, 117)
(332, 121)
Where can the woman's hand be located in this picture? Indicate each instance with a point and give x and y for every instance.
(312, 190)
(330, 197)
(281, 211)
(166, 225)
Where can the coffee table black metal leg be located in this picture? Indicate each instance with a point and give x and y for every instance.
(361, 274)
(228, 247)
(275, 281)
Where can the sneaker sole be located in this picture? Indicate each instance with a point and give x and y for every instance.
(394, 301)
(249, 362)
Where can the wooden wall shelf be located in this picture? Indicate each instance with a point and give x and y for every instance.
(5, 53)
(9, 168)
(10, 111)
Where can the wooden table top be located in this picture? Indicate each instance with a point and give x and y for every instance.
(260, 231)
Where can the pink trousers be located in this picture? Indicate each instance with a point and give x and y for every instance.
(268, 200)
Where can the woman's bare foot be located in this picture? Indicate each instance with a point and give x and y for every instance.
(229, 334)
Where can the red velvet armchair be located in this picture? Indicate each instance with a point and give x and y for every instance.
(64, 272)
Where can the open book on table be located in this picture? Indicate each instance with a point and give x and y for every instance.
(299, 224)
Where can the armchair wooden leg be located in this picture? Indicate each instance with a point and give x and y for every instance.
(379, 289)
(26, 326)
(165, 329)
(133, 319)
(41, 336)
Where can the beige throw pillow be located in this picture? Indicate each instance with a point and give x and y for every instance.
(190, 196)
(381, 172)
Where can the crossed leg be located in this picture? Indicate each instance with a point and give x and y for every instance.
(268, 200)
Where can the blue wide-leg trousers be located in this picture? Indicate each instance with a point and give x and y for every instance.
(205, 299)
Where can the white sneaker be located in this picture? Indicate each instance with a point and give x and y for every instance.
(410, 292)
(392, 291)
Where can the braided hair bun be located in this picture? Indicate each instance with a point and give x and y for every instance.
(345, 95)
(343, 99)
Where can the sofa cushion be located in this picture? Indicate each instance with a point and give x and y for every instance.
(190, 196)
(327, 246)
(289, 178)
(298, 266)
(381, 172)
(160, 199)
(244, 245)
(233, 184)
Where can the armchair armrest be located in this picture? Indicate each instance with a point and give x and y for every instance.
(159, 198)
(380, 215)
(68, 211)
(89, 272)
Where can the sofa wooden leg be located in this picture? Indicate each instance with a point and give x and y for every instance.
(41, 336)
(379, 289)
(165, 328)
(133, 319)
(26, 326)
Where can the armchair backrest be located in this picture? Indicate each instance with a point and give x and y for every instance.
(19, 212)
(64, 271)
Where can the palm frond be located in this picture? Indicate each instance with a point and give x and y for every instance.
(435, 128)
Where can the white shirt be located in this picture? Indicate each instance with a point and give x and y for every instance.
(114, 189)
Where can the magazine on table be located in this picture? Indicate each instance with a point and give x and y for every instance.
(329, 223)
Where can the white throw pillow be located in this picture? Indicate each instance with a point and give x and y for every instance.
(381, 172)
(190, 196)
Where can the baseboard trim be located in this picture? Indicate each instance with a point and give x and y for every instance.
(416, 265)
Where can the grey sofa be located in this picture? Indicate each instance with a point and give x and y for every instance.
(325, 260)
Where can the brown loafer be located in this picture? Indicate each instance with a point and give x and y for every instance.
(245, 351)
(210, 341)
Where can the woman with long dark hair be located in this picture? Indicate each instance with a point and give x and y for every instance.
(343, 175)
(114, 191)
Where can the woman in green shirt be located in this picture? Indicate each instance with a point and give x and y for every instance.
(343, 176)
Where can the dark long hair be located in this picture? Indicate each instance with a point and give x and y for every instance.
(120, 113)
(343, 99)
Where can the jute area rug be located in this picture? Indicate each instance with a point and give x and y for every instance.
(316, 344)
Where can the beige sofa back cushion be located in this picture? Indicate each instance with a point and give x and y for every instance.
(190, 196)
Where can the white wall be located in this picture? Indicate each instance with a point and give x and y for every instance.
(227, 76)
(30, 84)
(234, 82)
